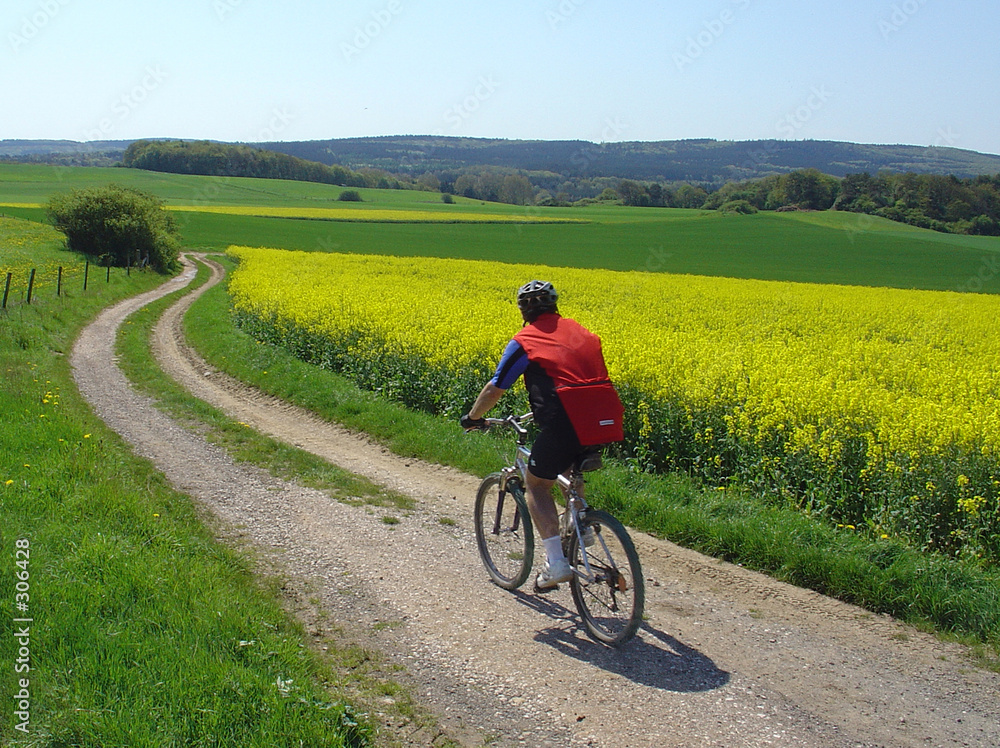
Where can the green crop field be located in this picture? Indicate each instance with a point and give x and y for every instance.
(828, 247)
(812, 247)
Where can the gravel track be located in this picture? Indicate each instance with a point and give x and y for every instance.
(727, 657)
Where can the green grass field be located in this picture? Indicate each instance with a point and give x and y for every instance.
(144, 630)
(826, 247)
(815, 247)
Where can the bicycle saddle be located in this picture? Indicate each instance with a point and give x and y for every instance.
(590, 461)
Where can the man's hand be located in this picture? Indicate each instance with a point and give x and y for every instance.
(473, 424)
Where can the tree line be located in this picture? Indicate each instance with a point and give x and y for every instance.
(222, 160)
(931, 201)
(944, 203)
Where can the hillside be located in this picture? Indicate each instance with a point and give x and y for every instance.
(701, 161)
(707, 162)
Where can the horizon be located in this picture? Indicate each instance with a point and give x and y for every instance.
(475, 137)
(237, 71)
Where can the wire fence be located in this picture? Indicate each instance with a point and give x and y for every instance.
(24, 285)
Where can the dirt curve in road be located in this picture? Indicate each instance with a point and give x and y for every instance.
(726, 657)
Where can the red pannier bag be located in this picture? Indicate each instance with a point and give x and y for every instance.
(595, 410)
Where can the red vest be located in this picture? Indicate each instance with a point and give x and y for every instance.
(571, 355)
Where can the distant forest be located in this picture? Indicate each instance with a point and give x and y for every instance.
(969, 205)
(930, 201)
(221, 160)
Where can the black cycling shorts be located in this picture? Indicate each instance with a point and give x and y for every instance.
(554, 451)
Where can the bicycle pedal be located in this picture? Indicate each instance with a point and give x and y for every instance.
(621, 582)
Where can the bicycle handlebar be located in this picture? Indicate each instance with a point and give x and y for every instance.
(515, 422)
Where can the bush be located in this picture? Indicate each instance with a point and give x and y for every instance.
(447, 199)
(350, 196)
(120, 225)
(741, 207)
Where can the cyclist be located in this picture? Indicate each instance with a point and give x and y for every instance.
(572, 402)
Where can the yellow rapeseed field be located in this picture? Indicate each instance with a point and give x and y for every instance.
(878, 406)
(374, 215)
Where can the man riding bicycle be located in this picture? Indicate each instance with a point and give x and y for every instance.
(572, 402)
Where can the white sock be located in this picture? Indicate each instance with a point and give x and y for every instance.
(553, 549)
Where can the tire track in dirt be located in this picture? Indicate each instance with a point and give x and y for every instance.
(727, 657)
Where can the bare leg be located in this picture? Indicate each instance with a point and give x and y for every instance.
(542, 506)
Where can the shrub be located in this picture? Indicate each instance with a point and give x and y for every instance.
(741, 207)
(120, 225)
(350, 196)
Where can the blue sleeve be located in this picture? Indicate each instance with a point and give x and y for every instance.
(512, 365)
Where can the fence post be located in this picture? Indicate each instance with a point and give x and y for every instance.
(31, 284)
(109, 272)
(6, 290)
(86, 272)
(59, 282)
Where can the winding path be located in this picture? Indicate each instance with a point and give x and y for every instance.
(727, 657)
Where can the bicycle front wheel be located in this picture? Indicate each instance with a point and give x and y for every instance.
(503, 532)
(608, 587)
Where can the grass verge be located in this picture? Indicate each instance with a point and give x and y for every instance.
(144, 630)
(947, 596)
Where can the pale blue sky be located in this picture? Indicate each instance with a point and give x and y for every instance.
(924, 72)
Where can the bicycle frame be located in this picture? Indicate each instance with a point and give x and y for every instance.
(607, 583)
(571, 487)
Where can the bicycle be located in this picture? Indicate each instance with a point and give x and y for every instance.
(607, 585)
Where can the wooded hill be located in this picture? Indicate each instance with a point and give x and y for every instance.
(709, 163)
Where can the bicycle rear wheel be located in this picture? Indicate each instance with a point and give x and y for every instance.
(503, 532)
(612, 596)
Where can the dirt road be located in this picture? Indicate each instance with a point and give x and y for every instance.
(727, 657)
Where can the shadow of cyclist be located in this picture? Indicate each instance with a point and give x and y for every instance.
(656, 659)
